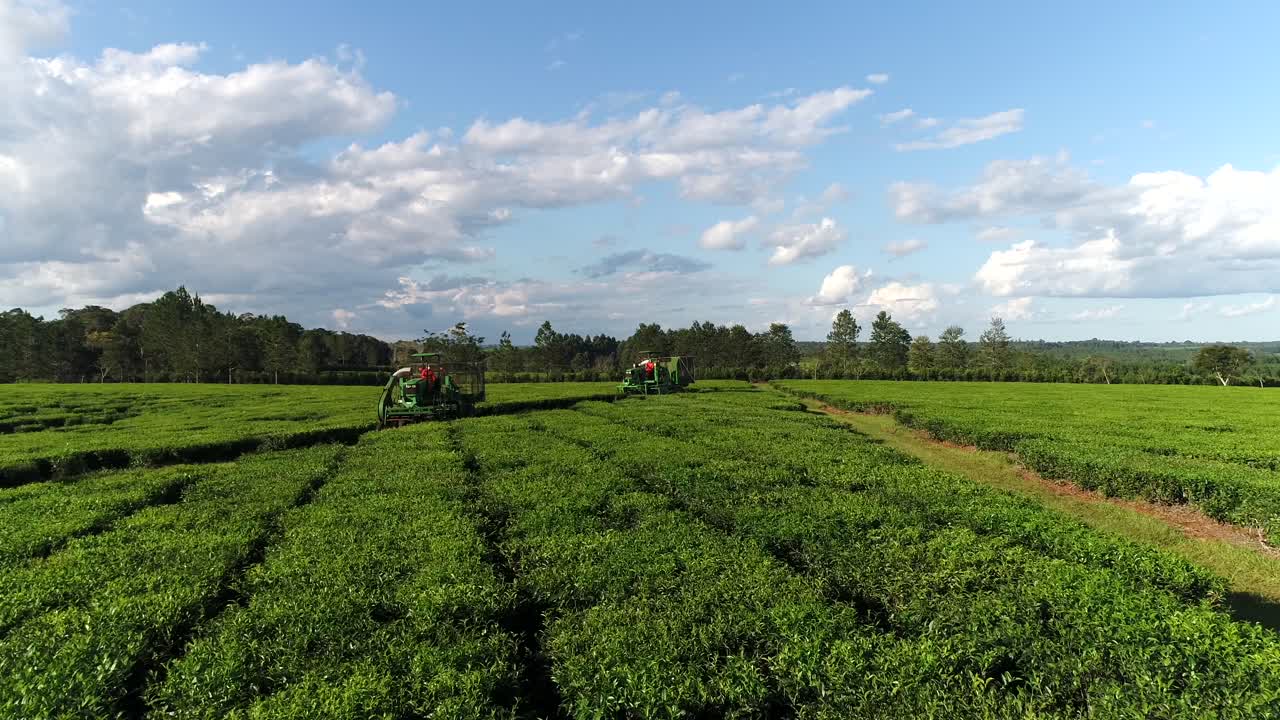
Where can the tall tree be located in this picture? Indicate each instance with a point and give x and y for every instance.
(890, 343)
(548, 344)
(505, 358)
(920, 359)
(953, 351)
(280, 345)
(455, 345)
(778, 347)
(842, 341)
(993, 348)
(1221, 361)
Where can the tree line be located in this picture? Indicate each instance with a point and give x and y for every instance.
(891, 353)
(180, 338)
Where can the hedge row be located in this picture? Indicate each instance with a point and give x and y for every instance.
(36, 518)
(706, 555)
(377, 601)
(1120, 461)
(89, 622)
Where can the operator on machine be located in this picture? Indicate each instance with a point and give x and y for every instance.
(428, 376)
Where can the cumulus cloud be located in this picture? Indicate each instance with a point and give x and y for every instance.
(124, 175)
(1161, 234)
(907, 302)
(840, 285)
(1015, 309)
(1006, 187)
(792, 243)
(644, 261)
(582, 305)
(969, 131)
(878, 78)
(896, 117)
(903, 248)
(728, 234)
(27, 24)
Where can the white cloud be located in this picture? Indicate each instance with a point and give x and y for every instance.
(1014, 310)
(728, 234)
(793, 243)
(130, 173)
(878, 78)
(582, 305)
(1192, 309)
(839, 285)
(906, 302)
(1094, 268)
(903, 248)
(1007, 187)
(26, 24)
(556, 65)
(969, 131)
(1148, 124)
(342, 318)
(895, 117)
(925, 123)
(834, 194)
(1103, 313)
(1165, 234)
(1232, 311)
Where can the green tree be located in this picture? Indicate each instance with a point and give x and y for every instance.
(920, 358)
(455, 345)
(280, 345)
(842, 341)
(1097, 366)
(1221, 361)
(953, 351)
(777, 346)
(547, 345)
(993, 348)
(505, 357)
(890, 343)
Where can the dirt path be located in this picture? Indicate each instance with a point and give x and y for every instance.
(1250, 567)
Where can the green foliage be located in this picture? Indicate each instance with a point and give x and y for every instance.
(38, 518)
(1221, 361)
(842, 341)
(710, 554)
(64, 430)
(774, 560)
(953, 351)
(890, 343)
(377, 601)
(920, 358)
(1216, 449)
(85, 617)
(994, 354)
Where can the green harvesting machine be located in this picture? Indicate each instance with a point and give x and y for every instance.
(427, 390)
(658, 375)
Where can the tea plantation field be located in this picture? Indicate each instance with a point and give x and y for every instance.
(56, 430)
(1217, 448)
(718, 554)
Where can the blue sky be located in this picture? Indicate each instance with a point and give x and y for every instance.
(1098, 170)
